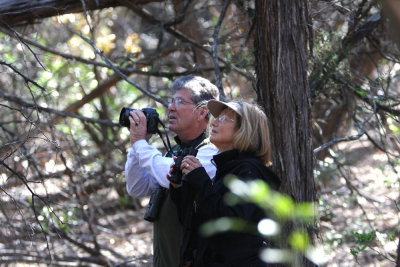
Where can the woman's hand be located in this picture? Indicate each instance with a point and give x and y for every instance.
(189, 163)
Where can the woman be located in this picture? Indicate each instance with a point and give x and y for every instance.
(240, 132)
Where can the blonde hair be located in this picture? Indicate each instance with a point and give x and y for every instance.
(253, 131)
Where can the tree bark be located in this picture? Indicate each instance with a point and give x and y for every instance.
(392, 11)
(281, 47)
(398, 254)
(24, 12)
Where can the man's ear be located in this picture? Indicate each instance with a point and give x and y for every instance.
(203, 111)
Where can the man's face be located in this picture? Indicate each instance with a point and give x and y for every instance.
(180, 111)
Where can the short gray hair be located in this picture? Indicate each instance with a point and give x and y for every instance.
(201, 88)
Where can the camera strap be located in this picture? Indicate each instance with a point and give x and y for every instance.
(168, 148)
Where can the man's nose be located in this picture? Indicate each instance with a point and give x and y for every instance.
(171, 106)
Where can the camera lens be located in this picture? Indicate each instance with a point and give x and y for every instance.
(124, 117)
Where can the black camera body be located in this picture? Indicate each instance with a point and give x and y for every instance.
(151, 117)
(176, 174)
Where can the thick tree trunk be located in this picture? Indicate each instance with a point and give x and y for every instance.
(398, 254)
(281, 45)
(392, 11)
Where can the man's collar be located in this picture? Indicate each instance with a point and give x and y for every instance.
(193, 143)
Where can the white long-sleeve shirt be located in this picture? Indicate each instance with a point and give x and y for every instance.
(146, 168)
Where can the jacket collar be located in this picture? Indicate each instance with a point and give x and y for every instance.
(229, 155)
(193, 143)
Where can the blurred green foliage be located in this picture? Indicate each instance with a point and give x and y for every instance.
(362, 241)
(280, 210)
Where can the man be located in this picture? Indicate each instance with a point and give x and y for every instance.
(146, 169)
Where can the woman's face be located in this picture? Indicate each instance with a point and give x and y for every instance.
(223, 130)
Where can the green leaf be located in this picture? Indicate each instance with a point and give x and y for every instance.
(283, 206)
(354, 252)
(305, 211)
(299, 240)
(361, 93)
(226, 224)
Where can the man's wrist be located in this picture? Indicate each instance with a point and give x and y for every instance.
(134, 141)
(139, 141)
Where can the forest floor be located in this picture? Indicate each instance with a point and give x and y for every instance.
(359, 213)
(361, 204)
(358, 205)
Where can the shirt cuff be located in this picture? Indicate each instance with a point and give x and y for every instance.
(139, 143)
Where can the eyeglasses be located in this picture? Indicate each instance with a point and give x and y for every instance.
(178, 102)
(223, 118)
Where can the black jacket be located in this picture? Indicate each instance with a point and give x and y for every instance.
(200, 199)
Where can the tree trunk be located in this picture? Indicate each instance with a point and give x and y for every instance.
(391, 10)
(281, 47)
(398, 254)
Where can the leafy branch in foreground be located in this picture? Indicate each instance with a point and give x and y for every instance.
(280, 211)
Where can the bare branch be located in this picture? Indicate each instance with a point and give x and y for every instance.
(24, 12)
(215, 50)
(54, 111)
(126, 78)
(348, 138)
(18, 256)
(27, 79)
(26, 41)
(150, 19)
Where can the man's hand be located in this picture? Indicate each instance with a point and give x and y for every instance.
(138, 126)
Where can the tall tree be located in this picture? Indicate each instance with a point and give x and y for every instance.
(281, 52)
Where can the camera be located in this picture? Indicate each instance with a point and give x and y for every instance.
(176, 174)
(151, 117)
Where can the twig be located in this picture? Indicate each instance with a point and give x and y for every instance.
(87, 20)
(27, 79)
(54, 111)
(398, 245)
(126, 78)
(380, 147)
(33, 194)
(149, 18)
(348, 138)
(10, 255)
(29, 48)
(215, 50)
(170, 75)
